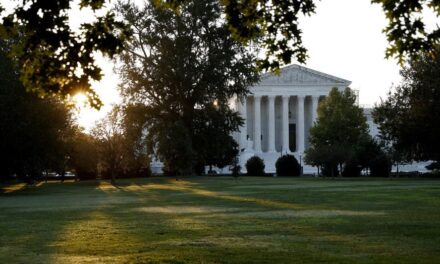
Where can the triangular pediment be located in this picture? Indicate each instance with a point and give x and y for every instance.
(295, 75)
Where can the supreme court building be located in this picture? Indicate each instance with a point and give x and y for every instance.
(279, 112)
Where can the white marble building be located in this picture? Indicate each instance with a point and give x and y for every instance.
(279, 113)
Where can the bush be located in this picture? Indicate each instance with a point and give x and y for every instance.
(199, 168)
(255, 166)
(287, 165)
(86, 175)
(352, 169)
(327, 170)
(380, 166)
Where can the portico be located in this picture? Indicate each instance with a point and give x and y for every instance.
(280, 111)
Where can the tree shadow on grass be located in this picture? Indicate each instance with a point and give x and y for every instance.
(98, 222)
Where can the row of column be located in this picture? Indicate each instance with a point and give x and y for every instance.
(300, 122)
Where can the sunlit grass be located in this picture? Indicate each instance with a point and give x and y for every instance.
(221, 220)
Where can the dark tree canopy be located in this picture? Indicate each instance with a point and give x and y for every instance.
(35, 135)
(184, 68)
(274, 26)
(53, 57)
(57, 60)
(215, 146)
(408, 119)
(407, 32)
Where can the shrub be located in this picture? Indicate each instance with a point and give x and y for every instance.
(327, 170)
(86, 175)
(199, 168)
(287, 165)
(255, 166)
(352, 169)
(380, 166)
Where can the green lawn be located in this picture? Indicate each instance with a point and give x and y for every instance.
(221, 220)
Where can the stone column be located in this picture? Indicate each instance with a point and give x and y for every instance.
(271, 125)
(243, 129)
(257, 123)
(315, 101)
(300, 125)
(285, 125)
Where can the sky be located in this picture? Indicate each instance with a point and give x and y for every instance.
(344, 38)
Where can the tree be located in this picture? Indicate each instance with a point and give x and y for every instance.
(52, 54)
(274, 26)
(406, 32)
(120, 140)
(184, 68)
(136, 159)
(84, 157)
(35, 135)
(408, 118)
(54, 58)
(369, 154)
(340, 126)
(110, 139)
(215, 146)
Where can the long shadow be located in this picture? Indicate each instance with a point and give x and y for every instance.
(97, 222)
(34, 219)
(160, 241)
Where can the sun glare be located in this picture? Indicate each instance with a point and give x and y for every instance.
(80, 100)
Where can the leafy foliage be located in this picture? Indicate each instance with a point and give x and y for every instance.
(54, 58)
(407, 33)
(380, 165)
(84, 156)
(272, 25)
(352, 169)
(110, 139)
(35, 135)
(287, 165)
(136, 159)
(255, 166)
(215, 145)
(408, 118)
(185, 68)
(371, 155)
(340, 126)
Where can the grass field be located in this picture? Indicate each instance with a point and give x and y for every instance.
(221, 220)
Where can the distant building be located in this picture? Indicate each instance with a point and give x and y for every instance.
(374, 130)
(279, 113)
